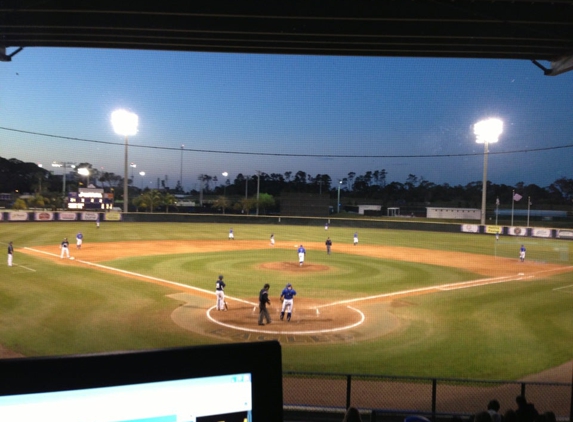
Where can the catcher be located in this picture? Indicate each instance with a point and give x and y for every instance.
(287, 299)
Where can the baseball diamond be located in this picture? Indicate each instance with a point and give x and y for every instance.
(314, 316)
(401, 302)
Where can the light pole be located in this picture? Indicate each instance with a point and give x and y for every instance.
(225, 174)
(181, 169)
(487, 132)
(258, 188)
(65, 165)
(84, 171)
(142, 173)
(338, 202)
(124, 124)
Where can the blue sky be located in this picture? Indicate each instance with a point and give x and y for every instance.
(395, 113)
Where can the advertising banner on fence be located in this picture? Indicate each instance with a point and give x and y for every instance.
(67, 216)
(493, 229)
(17, 216)
(44, 216)
(565, 234)
(89, 216)
(112, 216)
(470, 228)
(517, 231)
(541, 232)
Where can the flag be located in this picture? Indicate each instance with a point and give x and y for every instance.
(517, 197)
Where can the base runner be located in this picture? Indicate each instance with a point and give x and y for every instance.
(287, 298)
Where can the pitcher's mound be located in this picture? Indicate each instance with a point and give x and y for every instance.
(293, 267)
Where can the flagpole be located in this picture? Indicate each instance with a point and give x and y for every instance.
(512, 202)
(528, 206)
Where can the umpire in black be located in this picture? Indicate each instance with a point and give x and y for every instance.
(263, 302)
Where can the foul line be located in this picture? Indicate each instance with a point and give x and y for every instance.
(26, 268)
(446, 287)
(161, 280)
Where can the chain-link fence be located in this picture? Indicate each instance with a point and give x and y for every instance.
(426, 396)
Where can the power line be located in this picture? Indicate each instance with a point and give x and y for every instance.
(209, 151)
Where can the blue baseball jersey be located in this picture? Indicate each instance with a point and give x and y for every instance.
(301, 250)
(288, 293)
(79, 236)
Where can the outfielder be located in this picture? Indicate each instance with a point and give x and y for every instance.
(64, 246)
(231, 234)
(287, 298)
(272, 239)
(522, 253)
(355, 238)
(301, 255)
(220, 293)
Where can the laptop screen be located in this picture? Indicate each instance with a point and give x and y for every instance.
(173, 385)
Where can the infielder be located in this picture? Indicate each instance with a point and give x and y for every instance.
(272, 239)
(328, 244)
(79, 240)
(64, 246)
(10, 253)
(355, 238)
(522, 253)
(301, 255)
(287, 298)
(220, 293)
(231, 234)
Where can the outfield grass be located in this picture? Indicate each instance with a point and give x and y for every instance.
(500, 331)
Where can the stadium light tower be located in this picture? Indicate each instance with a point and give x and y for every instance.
(338, 203)
(125, 124)
(142, 173)
(65, 165)
(84, 171)
(487, 132)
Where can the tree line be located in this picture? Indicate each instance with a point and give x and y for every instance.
(18, 177)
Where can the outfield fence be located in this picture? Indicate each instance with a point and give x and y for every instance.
(394, 397)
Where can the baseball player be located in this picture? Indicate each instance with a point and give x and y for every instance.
(263, 302)
(522, 253)
(355, 238)
(272, 239)
(79, 240)
(326, 226)
(301, 254)
(287, 298)
(231, 234)
(328, 244)
(97, 222)
(64, 246)
(10, 253)
(220, 292)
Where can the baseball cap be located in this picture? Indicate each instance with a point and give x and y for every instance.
(289, 285)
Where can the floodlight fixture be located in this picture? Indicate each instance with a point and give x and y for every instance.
(487, 132)
(125, 123)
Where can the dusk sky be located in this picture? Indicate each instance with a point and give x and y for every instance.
(286, 113)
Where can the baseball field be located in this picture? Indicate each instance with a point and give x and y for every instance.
(399, 303)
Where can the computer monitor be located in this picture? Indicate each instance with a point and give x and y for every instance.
(228, 382)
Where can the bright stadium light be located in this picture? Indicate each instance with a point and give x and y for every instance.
(125, 124)
(487, 132)
(142, 173)
(84, 171)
